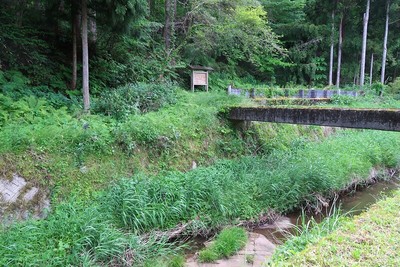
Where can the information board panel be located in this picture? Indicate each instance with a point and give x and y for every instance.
(200, 78)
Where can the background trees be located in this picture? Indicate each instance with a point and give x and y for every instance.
(285, 42)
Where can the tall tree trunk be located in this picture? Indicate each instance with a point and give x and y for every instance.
(364, 43)
(150, 4)
(167, 25)
(339, 52)
(85, 58)
(75, 26)
(385, 40)
(92, 22)
(332, 48)
(169, 28)
(371, 69)
(20, 5)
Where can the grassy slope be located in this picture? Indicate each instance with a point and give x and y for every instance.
(206, 198)
(371, 239)
(51, 148)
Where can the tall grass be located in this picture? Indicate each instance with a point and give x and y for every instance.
(73, 236)
(242, 189)
(108, 231)
(306, 232)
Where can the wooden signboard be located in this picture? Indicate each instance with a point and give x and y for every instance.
(200, 76)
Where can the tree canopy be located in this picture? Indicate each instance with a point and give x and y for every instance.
(277, 41)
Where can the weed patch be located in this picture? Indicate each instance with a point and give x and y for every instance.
(227, 243)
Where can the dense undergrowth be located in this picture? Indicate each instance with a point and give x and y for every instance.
(207, 197)
(99, 217)
(69, 152)
(243, 189)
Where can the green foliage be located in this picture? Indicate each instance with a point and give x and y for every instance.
(394, 88)
(369, 239)
(135, 99)
(235, 32)
(378, 88)
(79, 152)
(119, 15)
(229, 190)
(369, 100)
(207, 196)
(192, 118)
(343, 100)
(16, 85)
(28, 109)
(227, 243)
(177, 261)
(73, 235)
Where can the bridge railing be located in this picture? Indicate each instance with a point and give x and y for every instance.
(311, 93)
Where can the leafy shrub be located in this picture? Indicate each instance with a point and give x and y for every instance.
(134, 99)
(394, 88)
(343, 100)
(16, 85)
(378, 88)
(29, 109)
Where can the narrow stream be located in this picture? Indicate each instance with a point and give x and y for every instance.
(352, 203)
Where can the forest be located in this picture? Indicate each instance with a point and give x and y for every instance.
(51, 45)
(108, 159)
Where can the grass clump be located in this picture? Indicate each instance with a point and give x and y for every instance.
(77, 236)
(307, 232)
(227, 243)
(205, 198)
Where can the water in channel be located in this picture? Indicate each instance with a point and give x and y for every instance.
(352, 203)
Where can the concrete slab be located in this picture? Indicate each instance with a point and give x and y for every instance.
(10, 190)
(13, 195)
(30, 194)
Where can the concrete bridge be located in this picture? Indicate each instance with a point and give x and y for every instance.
(378, 119)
